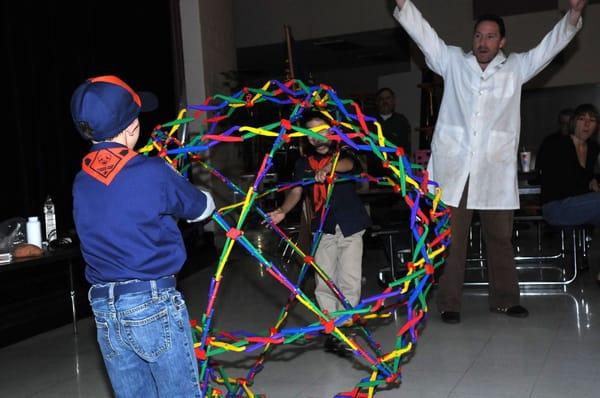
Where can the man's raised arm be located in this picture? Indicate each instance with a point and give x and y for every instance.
(434, 48)
(536, 59)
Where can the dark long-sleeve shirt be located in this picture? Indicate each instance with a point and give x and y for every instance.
(346, 209)
(561, 174)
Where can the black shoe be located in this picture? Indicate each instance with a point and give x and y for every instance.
(450, 317)
(337, 347)
(344, 350)
(515, 311)
(331, 344)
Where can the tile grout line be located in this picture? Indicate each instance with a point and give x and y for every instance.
(489, 339)
(548, 351)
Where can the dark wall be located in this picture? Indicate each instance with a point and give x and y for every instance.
(513, 7)
(49, 48)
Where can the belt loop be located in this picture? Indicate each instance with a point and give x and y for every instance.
(111, 297)
(154, 290)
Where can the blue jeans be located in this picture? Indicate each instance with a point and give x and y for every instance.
(146, 342)
(575, 210)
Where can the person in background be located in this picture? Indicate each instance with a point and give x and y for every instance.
(570, 192)
(125, 208)
(564, 118)
(475, 142)
(340, 250)
(395, 127)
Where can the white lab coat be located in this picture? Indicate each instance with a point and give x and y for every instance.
(477, 131)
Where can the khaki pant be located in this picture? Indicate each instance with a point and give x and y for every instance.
(497, 228)
(341, 259)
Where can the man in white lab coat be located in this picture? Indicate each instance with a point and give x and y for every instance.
(474, 147)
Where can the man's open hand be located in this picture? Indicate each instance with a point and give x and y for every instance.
(576, 5)
(400, 3)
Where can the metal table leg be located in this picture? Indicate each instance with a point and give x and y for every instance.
(392, 255)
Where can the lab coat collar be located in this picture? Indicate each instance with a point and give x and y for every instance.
(492, 68)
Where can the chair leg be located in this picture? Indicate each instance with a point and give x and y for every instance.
(575, 254)
(584, 244)
(569, 256)
(480, 243)
(539, 236)
(392, 259)
(471, 236)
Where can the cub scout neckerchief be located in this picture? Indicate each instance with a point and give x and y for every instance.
(319, 189)
(105, 164)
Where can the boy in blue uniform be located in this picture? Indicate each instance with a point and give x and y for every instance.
(341, 247)
(125, 208)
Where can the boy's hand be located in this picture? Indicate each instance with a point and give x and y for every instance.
(321, 176)
(277, 215)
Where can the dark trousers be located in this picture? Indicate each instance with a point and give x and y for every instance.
(497, 228)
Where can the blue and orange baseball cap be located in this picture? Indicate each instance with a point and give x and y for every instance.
(104, 106)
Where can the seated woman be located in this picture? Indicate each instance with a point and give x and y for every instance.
(570, 192)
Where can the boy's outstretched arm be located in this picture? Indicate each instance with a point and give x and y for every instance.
(291, 200)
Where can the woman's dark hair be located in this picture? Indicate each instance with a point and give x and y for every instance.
(492, 18)
(583, 109)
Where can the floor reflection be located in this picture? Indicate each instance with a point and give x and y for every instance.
(553, 353)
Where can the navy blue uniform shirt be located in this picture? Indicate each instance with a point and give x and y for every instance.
(345, 208)
(128, 229)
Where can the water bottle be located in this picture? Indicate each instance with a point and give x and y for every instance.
(49, 220)
(34, 232)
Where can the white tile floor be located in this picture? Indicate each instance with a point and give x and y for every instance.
(553, 353)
